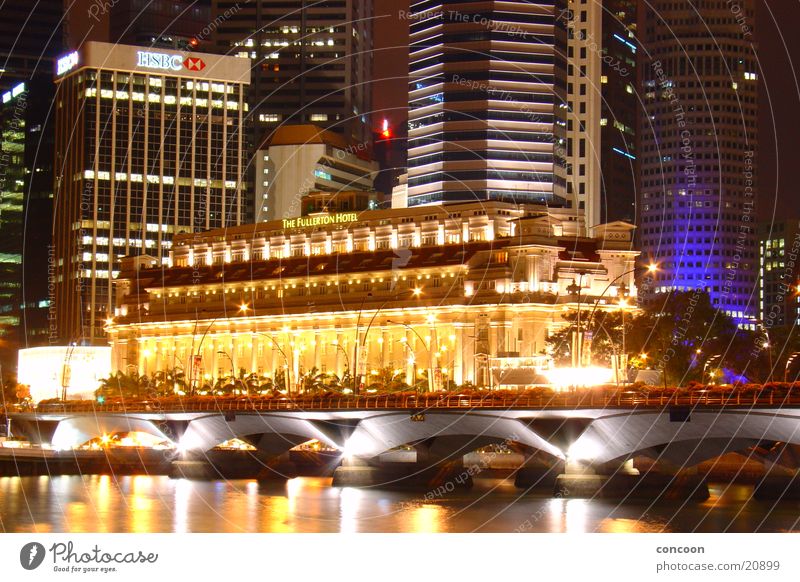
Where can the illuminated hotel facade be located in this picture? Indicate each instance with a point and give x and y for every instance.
(452, 293)
(149, 144)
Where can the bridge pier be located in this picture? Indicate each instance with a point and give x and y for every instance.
(213, 465)
(623, 480)
(447, 475)
(778, 483)
(539, 472)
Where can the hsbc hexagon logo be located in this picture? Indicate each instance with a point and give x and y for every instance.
(194, 64)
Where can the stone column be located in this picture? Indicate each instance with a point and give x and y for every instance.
(385, 354)
(458, 356)
(234, 356)
(338, 364)
(468, 351)
(142, 363)
(317, 350)
(533, 272)
(434, 365)
(214, 359)
(158, 357)
(254, 340)
(274, 359)
(409, 357)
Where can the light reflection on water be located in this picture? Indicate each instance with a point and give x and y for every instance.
(100, 503)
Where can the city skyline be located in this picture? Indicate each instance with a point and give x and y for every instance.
(399, 266)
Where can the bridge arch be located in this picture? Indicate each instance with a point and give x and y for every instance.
(270, 433)
(74, 431)
(620, 435)
(445, 434)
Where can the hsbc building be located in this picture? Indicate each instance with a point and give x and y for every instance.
(149, 144)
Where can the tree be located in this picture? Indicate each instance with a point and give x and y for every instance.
(122, 385)
(667, 336)
(167, 382)
(387, 380)
(606, 334)
(313, 381)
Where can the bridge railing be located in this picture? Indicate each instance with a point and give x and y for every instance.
(587, 399)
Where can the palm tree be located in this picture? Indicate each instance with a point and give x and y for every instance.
(314, 381)
(341, 383)
(122, 385)
(167, 382)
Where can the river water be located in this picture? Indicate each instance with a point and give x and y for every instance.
(139, 504)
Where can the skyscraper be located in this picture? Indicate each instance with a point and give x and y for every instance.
(584, 22)
(698, 136)
(30, 39)
(487, 102)
(26, 211)
(311, 61)
(148, 145)
(159, 23)
(619, 112)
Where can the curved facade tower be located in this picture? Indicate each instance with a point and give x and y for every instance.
(698, 132)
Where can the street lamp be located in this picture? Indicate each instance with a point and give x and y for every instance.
(285, 358)
(427, 348)
(361, 343)
(356, 375)
(577, 339)
(651, 268)
(789, 361)
(233, 369)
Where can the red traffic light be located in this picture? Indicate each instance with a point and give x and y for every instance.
(386, 131)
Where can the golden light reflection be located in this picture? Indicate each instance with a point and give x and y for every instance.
(428, 519)
(350, 500)
(182, 494)
(576, 513)
(141, 504)
(627, 526)
(102, 502)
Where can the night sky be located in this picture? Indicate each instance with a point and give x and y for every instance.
(779, 123)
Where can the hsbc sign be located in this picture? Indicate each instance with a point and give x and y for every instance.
(167, 62)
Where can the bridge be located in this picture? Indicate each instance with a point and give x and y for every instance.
(579, 441)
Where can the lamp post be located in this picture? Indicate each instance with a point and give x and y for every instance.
(652, 268)
(430, 360)
(362, 343)
(767, 345)
(356, 374)
(789, 361)
(577, 339)
(243, 308)
(233, 371)
(287, 378)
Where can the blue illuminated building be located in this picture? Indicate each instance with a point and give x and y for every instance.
(698, 136)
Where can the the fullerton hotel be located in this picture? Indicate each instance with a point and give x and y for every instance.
(448, 293)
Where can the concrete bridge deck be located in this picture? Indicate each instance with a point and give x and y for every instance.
(585, 433)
